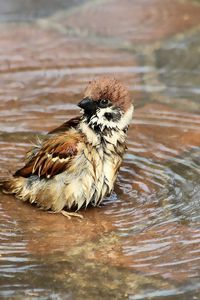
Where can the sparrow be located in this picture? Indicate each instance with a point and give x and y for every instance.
(77, 163)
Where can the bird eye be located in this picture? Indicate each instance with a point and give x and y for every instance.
(103, 103)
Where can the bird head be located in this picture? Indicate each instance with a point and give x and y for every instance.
(107, 104)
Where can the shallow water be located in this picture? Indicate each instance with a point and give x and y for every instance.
(144, 242)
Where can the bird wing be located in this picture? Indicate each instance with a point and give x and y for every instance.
(53, 157)
(72, 123)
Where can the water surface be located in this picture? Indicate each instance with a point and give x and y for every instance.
(144, 242)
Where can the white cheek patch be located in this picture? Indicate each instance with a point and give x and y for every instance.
(100, 119)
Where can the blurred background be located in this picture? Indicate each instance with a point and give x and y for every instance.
(144, 242)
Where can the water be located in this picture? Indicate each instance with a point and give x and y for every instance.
(144, 242)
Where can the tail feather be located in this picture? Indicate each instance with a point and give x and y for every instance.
(5, 185)
(9, 185)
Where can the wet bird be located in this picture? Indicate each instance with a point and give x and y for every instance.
(77, 163)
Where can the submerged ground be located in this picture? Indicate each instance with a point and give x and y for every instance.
(144, 242)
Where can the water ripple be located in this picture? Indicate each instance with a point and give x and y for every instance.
(158, 216)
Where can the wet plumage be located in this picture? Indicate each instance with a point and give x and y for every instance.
(77, 163)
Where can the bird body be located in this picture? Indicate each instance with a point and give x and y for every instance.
(77, 163)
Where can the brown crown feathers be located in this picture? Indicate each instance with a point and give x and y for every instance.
(109, 88)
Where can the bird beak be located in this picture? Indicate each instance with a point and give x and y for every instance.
(87, 104)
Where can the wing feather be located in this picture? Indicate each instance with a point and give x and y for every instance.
(53, 157)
